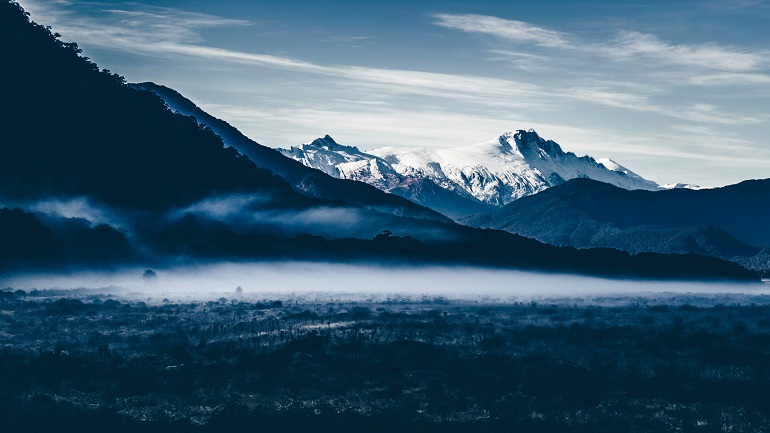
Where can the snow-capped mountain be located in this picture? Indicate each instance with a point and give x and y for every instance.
(493, 173)
(345, 162)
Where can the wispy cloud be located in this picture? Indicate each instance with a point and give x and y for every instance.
(515, 31)
(136, 37)
(729, 79)
(627, 46)
(219, 54)
(635, 45)
(465, 88)
(520, 60)
(346, 39)
(694, 112)
(164, 31)
(663, 71)
(134, 20)
(171, 24)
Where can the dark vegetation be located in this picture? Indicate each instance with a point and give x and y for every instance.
(81, 361)
(26, 243)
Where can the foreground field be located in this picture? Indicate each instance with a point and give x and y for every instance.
(88, 361)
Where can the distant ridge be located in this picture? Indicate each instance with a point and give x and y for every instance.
(727, 222)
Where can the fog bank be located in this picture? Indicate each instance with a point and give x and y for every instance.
(284, 279)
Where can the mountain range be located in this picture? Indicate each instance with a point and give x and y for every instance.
(97, 173)
(478, 178)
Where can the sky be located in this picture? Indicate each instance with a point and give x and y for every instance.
(675, 91)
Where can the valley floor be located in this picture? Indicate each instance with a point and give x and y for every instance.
(90, 361)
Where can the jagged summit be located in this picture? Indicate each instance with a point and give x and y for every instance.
(505, 140)
(494, 173)
(327, 142)
(329, 156)
(529, 140)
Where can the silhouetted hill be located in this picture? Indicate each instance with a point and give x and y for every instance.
(722, 222)
(26, 242)
(308, 181)
(87, 244)
(72, 129)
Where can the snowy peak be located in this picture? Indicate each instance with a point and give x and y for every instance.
(326, 155)
(530, 141)
(328, 143)
(495, 172)
(344, 162)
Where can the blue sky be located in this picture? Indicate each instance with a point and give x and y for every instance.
(676, 91)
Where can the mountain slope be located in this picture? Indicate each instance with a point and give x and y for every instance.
(723, 222)
(72, 129)
(489, 174)
(428, 194)
(303, 179)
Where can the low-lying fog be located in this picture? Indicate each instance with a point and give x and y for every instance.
(352, 282)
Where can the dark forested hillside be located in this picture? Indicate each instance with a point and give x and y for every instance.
(69, 128)
(25, 240)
